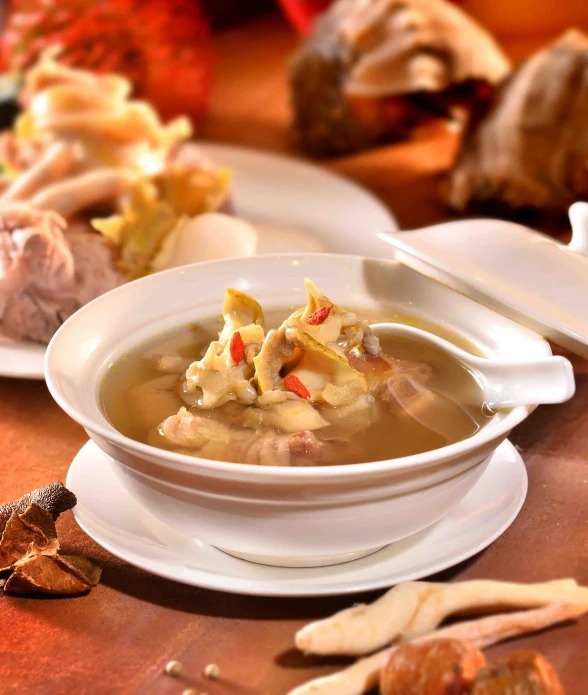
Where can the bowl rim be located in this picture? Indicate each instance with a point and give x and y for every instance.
(500, 425)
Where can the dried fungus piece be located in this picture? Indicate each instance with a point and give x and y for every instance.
(379, 67)
(54, 498)
(525, 672)
(27, 534)
(56, 575)
(440, 667)
(528, 147)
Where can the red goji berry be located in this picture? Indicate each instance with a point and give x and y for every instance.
(317, 317)
(293, 383)
(237, 348)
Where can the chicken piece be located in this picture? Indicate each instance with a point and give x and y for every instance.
(439, 667)
(208, 438)
(525, 672)
(46, 274)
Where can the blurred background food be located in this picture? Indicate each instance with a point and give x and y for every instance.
(361, 73)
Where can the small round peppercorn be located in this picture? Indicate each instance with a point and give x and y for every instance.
(173, 668)
(212, 671)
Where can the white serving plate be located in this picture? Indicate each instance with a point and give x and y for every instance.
(295, 206)
(128, 531)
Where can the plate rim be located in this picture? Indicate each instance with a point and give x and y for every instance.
(506, 448)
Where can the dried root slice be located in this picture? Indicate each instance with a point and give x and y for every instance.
(54, 498)
(525, 672)
(454, 599)
(439, 667)
(29, 533)
(528, 147)
(362, 629)
(57, 575)
(363, 675)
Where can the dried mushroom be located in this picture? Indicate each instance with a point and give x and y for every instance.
(53, 498)
(529, 146)
(56, 575)
(29, 548)
(27, 534)
(379, 67)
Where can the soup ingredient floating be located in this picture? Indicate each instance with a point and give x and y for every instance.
(379, 68)
(317, 390)
(410, 613)
(95, 190)
(29, 547)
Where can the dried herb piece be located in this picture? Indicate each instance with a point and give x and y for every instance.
(57, 575)
(527, 148)
(54, 498)
(27, 534)
(525, 672)
(374, 69)
(439, 667)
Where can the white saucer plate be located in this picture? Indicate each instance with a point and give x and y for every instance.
(112, 517)
(296, 207)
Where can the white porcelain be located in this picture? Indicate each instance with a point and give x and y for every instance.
(294, 207)
(283, 513)
(506, 383)
(127, 530)
(517, 271)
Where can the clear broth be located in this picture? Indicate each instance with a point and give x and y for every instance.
(136, 397)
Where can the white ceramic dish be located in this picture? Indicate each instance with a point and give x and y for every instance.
(128, 531)
(295, 206)
(272, 514)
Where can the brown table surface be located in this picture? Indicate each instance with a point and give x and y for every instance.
(118, 638)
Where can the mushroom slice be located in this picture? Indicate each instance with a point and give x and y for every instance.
(327, 376)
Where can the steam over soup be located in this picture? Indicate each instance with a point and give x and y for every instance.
(318, 389)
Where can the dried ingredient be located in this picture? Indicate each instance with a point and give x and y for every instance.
(237, 348)
(55, 575)
(440, 667)
(54, 498)
(173, 668)
(374, 68)
(525, 672)
(212, 671)
(293, 383)
(28, 534)
(319, 316)
(527, 147)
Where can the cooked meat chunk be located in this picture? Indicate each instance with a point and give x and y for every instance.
(210, 438)
(439, 667)
(47, 274)
(525, 672)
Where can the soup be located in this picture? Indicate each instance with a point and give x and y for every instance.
(304, 387)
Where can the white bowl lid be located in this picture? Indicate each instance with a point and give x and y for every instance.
(519, 272)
